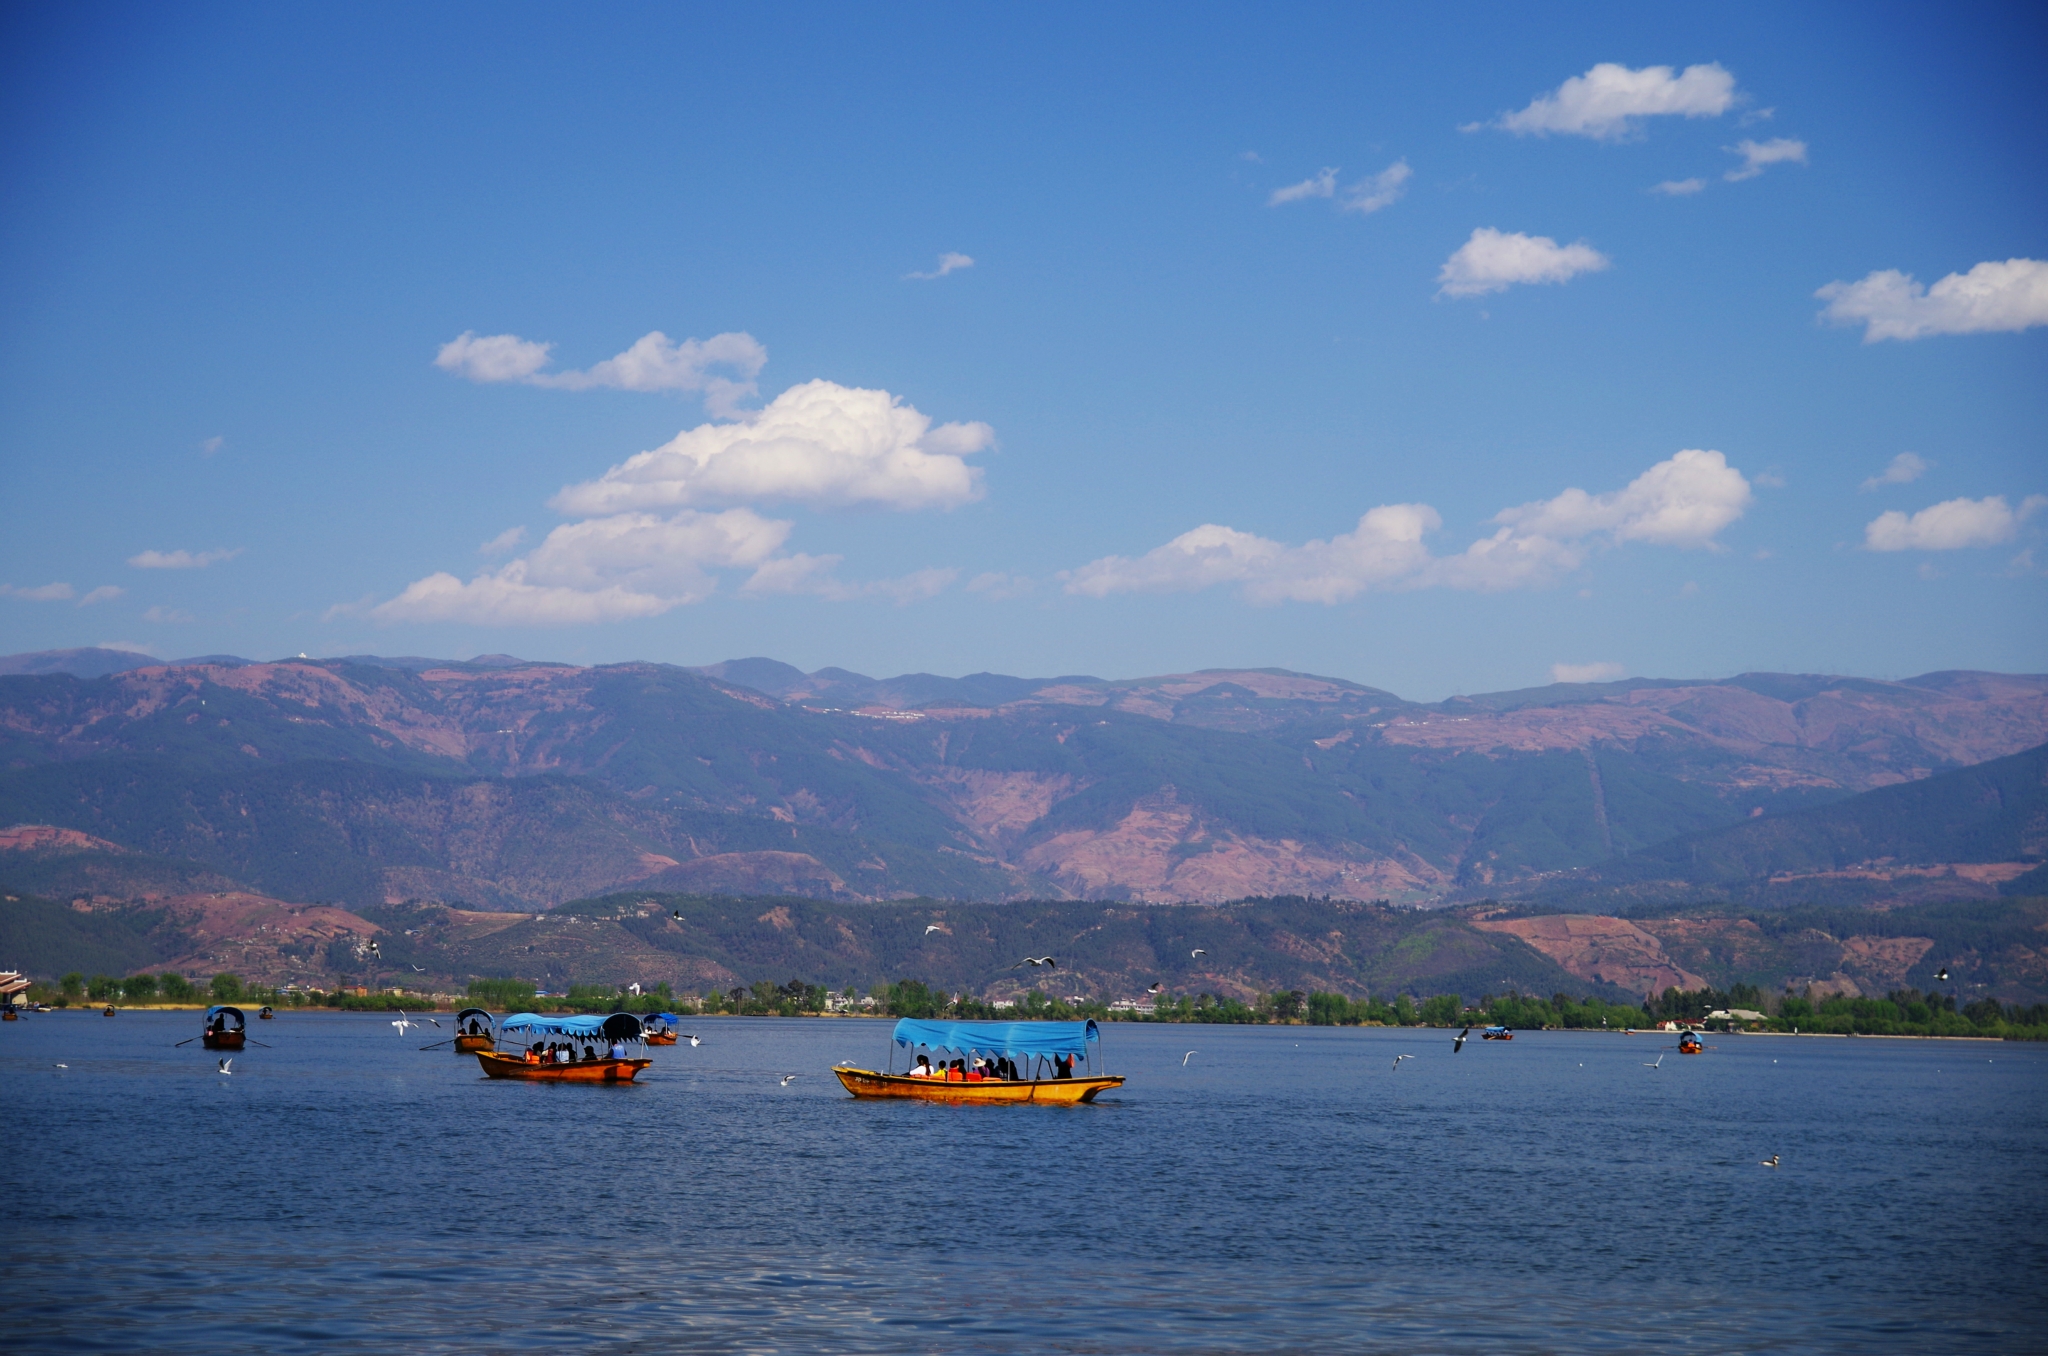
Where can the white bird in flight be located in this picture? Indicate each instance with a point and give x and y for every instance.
(1660, 1060)
(63, 1066)
(1399, 1058)
(404, 1022)
(930, 928)
(1198, 951)
(1185, 1058)
(694, 1041)
(1036, 961)
(418, 969)
(786, 1079)
(225, 1066)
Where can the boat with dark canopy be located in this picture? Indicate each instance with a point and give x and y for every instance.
(577, 1049)
(226, 1028)
(1057, 1062)
(474, 1031)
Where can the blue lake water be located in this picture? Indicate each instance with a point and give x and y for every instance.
(1286, 1189)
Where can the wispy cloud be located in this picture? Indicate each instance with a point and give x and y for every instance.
(39, 593)
(1903, 469)
(1759, 155)
(211, 446)
(655, 362)
(1493, 261)
(181, 560)
(1679, 188)
(996, 586)
(949, 262)
(1323, 185)
(1380, 190)
(1684, 501)
(505, 541)
(1586, 673)
(167, 615)
(1992, 297)
(1952, 525)
(1610, 101)
(105, 593)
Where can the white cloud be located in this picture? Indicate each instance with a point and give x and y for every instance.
(1493, 261)
(1757, 155)
(1369, 195)
(601, 569)
(655, 362)
(1609, 102)
(1683, 501)
(211, 446)
(39, 593)
(949, 262)
(1586, 673)
(1951, 525)
(818, 443)
(1679, 188)
(998, 586)
(508, 540)
(167, 615)
(1903, 469)
(1323, 185)
(105, 593)
(1992, 296)
(181, 560)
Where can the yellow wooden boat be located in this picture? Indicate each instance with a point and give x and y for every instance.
(474, 1031)
(1055, 1091)
(1043, 1047)
(582, 1071)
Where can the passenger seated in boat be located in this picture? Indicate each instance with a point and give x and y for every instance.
(618, 1049)
(532, 1055)
(590, 1054)
(1063, 1066)
(922, 1069)
(956, 1072)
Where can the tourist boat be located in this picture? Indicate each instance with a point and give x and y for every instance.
(1039, 1049)
(1689, 1044)
(264, 1014)
(664, 1034)
(109, 1011)
(580, 1031)
(474, 1031)
(1497, 1033)
(226, 1028)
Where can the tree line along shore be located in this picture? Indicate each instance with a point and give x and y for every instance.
(1903, 1012)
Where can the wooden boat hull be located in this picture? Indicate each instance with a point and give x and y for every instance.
(224, 1040)
(470, 1045)
(658, 1038)
(1053, 1091)
(590, 1071)
(10, 1015)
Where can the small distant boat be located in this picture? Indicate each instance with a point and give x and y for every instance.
(1689, 1044)
(109, 1011)
(474, 1031)
(543, 1061)
(8, 1014)
(226, 1028)
(1497, 1033)
(264, 1014)
(662, 1034)
(1044, 1048)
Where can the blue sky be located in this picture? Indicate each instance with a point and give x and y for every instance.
(1270, 319)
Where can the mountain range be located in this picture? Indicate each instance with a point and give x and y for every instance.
(500, 784)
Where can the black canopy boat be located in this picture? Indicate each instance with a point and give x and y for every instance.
(226, 1028)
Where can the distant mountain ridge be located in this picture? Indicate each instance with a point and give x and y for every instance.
(495, 783)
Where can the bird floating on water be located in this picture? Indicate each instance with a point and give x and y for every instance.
(1399, 1058)
(1186, 1057)
(1770, 1162)
(63, 1066)
(225, 1066)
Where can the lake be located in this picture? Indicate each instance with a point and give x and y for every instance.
(1282, 1189)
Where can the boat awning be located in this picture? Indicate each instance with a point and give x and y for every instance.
(221, 1008)
(468, 1013)
(1000, 1038)
(620, 1026)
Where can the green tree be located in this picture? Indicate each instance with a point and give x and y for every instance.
(139, 988)
(73, 986)
(1404, 1011)
(175, 988)
(505, 995)
(1445, 1009)
(104, 987)
(227, 988)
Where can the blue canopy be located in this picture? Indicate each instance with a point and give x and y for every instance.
(623, 1025)
(1000, 1038)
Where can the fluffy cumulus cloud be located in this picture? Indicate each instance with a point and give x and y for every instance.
(949, 262)
(1586, 673)
(1493, 261)
(1684, 501)
(1903, 469)
(1951, 525)
(1609, 102)
(722, 367)
(819, 443)
(181, 560)
(1993, 296)
(1757, 156)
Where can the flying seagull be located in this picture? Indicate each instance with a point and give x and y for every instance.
(225, 1066)
(1399, 1058)
(676, 914)
(1941, 975)
(63, 1066)
(418, 969)
(1660, 1060)
(1770, 1162)
(1198, 951)
(1185, 1058)
(930, 928)
(403, 1022)
(1157, 988)
(694, 1041)
(1459, 1043)
(786, 1079)
(1036, 961)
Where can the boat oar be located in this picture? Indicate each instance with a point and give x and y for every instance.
(438, 1044)
(265, 1044)
(187, 1041)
